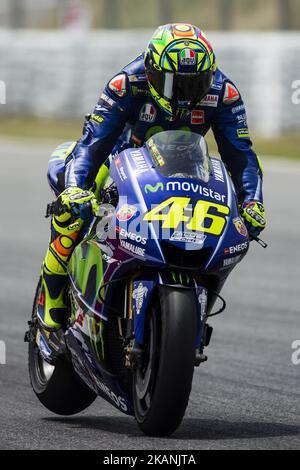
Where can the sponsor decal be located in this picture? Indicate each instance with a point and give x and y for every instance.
(153, 189)
(42, 299)
(218, 172)
(131, 235)
(100, 107)
(97, 119)
(242, 120)
(43, 346)
(132, 248)
(137, 78)
(187, 57)
(136, 140)
(240, 226)
(148, 113)
(158, 159)
(231, 94)
(236, 249)
(170, 118)
(139, 294)
(242, 133)
(118, 400)
(217, 86)
(210, 100)
(180, 148)
(107, 100)
(140, 162)
(238, 109)
(202, 299)
(188, 237)
(118, 85)
(126, 213)
(231, 261)
(108, 258)
(250, 210)
(197, 117)
(194, 188)
(136, 91)
(174, 186)
(120, 169)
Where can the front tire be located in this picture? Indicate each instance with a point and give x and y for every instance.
(162, 384)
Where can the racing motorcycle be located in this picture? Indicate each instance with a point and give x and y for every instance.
(143, 284)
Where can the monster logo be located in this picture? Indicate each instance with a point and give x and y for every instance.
(95, 329)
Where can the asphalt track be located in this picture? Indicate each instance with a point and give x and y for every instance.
(247, 396)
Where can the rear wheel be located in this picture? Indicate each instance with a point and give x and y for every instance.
(162, 381)
(57, 386)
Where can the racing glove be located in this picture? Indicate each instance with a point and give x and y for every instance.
(73, 207)
(253, 213)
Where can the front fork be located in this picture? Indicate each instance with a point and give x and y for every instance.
(139, 293)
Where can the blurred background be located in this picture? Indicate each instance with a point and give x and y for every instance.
(56, 56)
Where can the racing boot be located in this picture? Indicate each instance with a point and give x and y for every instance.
(52, 314)
(69, 212)
(52, 308)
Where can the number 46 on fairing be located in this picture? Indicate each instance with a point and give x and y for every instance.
(207, 217)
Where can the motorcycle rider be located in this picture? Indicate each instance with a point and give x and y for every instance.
(175, 84)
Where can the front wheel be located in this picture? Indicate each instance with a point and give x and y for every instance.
(163, 379)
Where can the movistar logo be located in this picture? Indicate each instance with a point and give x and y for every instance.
(154, 189)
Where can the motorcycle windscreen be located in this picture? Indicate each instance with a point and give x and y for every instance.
(180, 154)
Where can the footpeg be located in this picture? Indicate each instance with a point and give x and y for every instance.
(51, 344)
(28, 337)
(199, 358)
(208, 330)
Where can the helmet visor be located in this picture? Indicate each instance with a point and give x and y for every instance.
(181, 87)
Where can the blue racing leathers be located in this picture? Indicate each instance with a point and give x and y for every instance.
(126, 115)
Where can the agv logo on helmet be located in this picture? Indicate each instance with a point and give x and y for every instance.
(187, 57)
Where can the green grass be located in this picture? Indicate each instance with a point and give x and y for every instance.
(57, 131)
(40, 128)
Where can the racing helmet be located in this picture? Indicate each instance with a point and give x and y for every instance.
(180, 64)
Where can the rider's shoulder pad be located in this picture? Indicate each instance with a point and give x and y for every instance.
(231, 94)
(118, 85)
